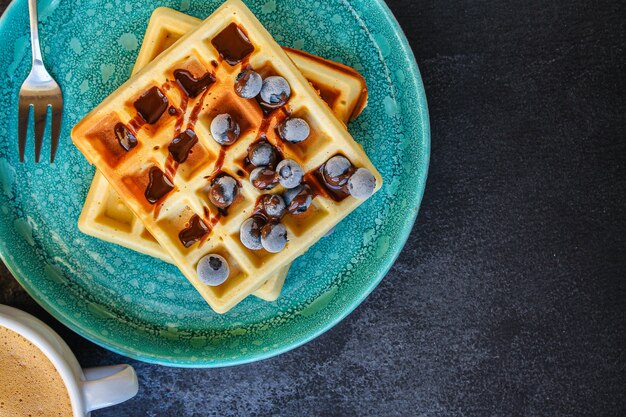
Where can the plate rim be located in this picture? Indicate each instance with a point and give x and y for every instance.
(316, 331)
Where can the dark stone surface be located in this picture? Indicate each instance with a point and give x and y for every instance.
(509, 298)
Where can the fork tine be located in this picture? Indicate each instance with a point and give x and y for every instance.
(22, 126)
(57, 113)
(40, 124)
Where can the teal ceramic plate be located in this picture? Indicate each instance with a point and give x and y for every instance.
(141, 307)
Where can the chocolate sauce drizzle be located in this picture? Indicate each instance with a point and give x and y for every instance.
(299, 203)
(191, 85)
(125, 137)
(267, 179)
(184, 100)
(337, 193)
(247, 165)
(195, 112)
(232, 44)
(263, 201)
(268, 108)
(265, 124)
(181, 145)
(218, 163)
(336, 190)
(136, 123)
(193, 233)
(158, 186)
(151, 104)
(211, 220)
(216, 197)
(279, 117)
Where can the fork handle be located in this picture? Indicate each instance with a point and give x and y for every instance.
(34, 32)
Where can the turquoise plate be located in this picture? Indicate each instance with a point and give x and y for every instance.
(141, 307)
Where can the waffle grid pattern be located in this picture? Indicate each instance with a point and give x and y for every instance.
(105, 215)
(128, 173)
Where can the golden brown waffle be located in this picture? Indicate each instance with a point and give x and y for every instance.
(175, 207)
(105, 215)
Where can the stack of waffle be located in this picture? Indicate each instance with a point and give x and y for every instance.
(159, 157)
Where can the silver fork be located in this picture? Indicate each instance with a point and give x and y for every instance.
(40, 91)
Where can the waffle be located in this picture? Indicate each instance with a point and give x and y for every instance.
(105, 215)
(171, 199)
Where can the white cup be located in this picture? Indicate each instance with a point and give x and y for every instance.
(89, 389)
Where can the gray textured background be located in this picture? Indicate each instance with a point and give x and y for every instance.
(509, 297)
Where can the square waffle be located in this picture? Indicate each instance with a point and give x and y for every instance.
(105, 215)
(171, 199)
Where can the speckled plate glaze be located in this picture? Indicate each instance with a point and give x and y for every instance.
(141, 307)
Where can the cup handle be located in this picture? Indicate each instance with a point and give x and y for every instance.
(109, 385)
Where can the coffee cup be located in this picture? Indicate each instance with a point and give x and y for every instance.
(88, 389)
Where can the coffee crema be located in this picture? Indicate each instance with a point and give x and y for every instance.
(30, 385)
